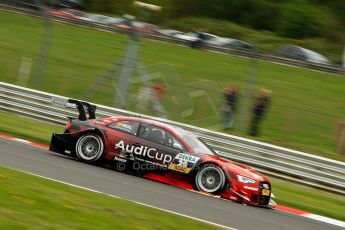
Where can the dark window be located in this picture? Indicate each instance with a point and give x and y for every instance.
(159, 135)
(130, 127)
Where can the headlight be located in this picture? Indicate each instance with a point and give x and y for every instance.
(245, 180)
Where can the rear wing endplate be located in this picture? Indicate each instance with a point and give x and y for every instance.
(81, 106)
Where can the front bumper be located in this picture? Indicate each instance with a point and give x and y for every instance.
(261, 195)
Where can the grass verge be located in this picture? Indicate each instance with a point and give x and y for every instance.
(31, 202)
(28, 129)
(309, 199)
(289, 194)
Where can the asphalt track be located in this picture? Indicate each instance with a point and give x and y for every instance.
(41, 162)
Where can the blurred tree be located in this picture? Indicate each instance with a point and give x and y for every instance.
(259, 14)
(99, 5)
(291, 18)
(339, 8)
(299, 20)
(263, 15)
(185, 7)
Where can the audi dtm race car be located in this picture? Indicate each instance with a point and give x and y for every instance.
(160, 152)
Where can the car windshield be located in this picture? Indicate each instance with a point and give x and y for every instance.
(316, 57)
(195, 143)
(191, 34)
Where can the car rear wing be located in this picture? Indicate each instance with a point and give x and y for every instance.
(81, 106)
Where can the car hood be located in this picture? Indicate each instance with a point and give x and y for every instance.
(236, 168)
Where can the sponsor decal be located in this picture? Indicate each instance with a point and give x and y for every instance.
(184, 162)
(187, 158)
(99, 122)
(251, 188)
(144, 151)
(120, 159)
(123, 126)
(265, 192)
(62, 102)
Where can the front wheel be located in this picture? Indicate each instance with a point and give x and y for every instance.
(89, 147)
(210, 178)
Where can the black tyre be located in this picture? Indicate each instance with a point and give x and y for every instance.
(89, 147)
(210, 178)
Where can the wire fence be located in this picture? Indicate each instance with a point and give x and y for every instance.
(305, 111)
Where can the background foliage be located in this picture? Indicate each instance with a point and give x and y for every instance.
(291, 18)
(314, 24)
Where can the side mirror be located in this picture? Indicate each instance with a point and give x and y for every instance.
(177, 145)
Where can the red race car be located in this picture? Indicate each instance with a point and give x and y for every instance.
(160, 152)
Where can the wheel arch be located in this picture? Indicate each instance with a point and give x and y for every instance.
(201, 164)
(94, 131)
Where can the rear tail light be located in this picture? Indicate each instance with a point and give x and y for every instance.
(68, 125)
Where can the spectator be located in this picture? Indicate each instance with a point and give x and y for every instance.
(260, 107)
(159, 91)
(158, 94)
(231, 97)
(147, 95)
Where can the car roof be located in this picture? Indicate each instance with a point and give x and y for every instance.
(152, 122)
(210, 34)
(310, 54)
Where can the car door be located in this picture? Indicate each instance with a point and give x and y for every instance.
(159, 146)
(121, 136)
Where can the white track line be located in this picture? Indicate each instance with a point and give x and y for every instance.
(325, 219)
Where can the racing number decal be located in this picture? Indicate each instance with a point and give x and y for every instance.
(265, 192)
(183, 162)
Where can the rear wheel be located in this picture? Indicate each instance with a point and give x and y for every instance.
(89, 147)
(210, 178)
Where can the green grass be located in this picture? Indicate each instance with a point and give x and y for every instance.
(288, 194)
(28, 129)
(307, 106)
(308, 199)
(30, 202)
